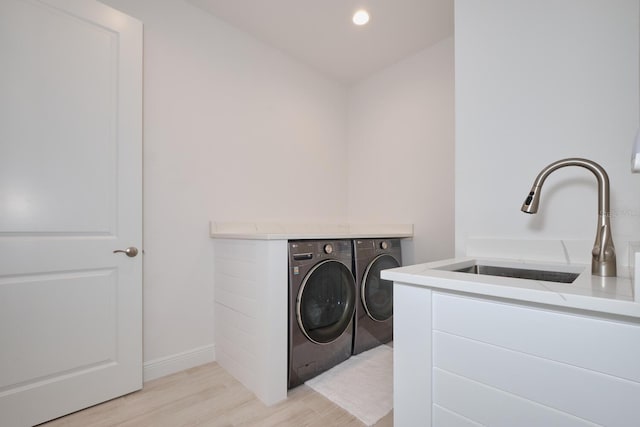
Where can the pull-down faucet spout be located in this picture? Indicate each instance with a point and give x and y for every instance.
(603, 255)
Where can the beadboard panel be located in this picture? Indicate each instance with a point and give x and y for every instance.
(412, 356)
(251, 314)
(599, 398)
(581, 341)
(238, 322)
(236, 285)
(239, 335)
(489, 406)
(238, 360)
(241, 269)
(236, 251)
(443, 417)
(236, 301)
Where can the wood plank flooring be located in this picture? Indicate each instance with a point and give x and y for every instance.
(209, 396)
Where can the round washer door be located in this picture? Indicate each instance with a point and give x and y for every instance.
(377, 294)
(326, 302)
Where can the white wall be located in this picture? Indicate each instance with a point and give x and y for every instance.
(233, 131)
(236, 131)
(401, 150)
(537, 82)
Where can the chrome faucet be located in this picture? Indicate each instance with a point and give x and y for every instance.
(603, 255)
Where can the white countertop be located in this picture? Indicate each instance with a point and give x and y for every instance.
(613, 295)
(293, 231)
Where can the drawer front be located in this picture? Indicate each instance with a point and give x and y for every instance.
(606, 346)
(507, 383)
(494, 362)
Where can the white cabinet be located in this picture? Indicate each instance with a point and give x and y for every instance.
(251, 314)
(467, 360)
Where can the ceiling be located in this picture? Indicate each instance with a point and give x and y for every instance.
(320, 33)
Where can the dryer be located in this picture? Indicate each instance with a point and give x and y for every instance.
(374, 305)
(322, 298)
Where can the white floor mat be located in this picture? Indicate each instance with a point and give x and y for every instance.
(362, 385)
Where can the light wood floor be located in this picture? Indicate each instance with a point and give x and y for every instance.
(208, 396)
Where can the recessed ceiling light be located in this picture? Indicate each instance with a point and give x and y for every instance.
(361, 17)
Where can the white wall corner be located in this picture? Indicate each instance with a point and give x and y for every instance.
(178, 362)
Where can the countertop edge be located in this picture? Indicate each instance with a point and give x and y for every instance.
(294, 231)
(417, 275)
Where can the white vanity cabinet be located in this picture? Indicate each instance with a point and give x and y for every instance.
(464, 359)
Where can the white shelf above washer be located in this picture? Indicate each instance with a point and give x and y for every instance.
(292, 231)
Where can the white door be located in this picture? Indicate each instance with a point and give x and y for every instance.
(70, 194)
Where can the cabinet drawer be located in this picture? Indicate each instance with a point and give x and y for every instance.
(592, 343)
(509, 382)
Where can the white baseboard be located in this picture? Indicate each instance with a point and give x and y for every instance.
(178, 362)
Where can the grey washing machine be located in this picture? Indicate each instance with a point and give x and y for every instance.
(322, 297)
(374, 305)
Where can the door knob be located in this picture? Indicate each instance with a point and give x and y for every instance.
(131, 251)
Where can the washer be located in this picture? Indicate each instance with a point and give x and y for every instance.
(374, 305)
(322, 298)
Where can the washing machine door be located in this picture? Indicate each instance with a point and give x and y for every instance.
(377, 294)
(326, 302)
